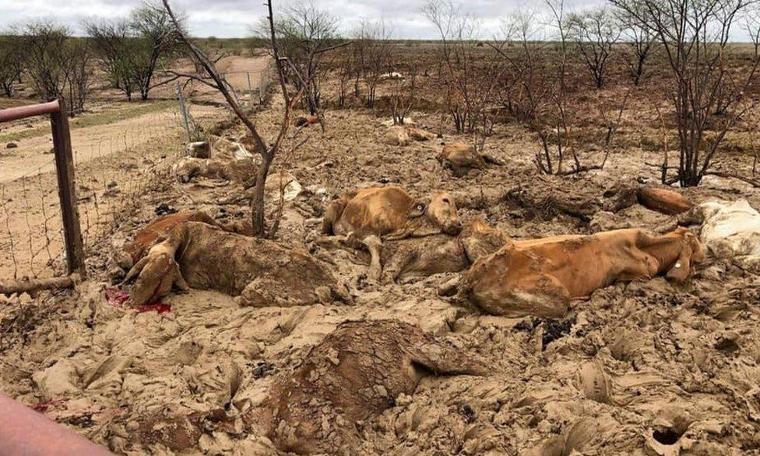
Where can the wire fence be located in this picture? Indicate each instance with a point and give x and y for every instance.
(116, 166)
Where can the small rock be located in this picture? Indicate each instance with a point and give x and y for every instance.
(11, 145)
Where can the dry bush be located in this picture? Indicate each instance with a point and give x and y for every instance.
(468, 81)
(11, 63)
(705, 93)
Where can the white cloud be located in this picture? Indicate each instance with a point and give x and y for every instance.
(234, 18)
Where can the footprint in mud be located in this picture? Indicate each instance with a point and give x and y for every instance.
(664, 437)
(353, 374)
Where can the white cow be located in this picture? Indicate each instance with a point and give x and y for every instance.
(730, 230)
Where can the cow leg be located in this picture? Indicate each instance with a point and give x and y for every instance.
(398, 264)
(375, 247)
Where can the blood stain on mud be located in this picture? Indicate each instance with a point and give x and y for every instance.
(117, 298)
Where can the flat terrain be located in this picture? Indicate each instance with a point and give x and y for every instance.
(677, 365)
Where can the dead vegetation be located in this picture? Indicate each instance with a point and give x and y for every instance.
(252, 334)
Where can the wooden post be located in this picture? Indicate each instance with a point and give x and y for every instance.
(250, 89)
(183, 110)
(64, 166)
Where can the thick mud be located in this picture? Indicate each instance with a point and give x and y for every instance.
(640, 368)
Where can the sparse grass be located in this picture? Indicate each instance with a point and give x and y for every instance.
(121, 111)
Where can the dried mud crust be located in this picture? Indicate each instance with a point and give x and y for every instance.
(677, 364)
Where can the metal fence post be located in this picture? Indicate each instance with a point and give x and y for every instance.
(64, 166)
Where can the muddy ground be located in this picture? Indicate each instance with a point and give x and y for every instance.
(643, 368)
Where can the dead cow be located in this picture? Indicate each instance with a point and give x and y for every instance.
(149, 235)
(306, 121)
(229, 161)
(261, 272)
(365, 216)
(461, 158)
(540, 277)
(422, 257)
(354, 374)
(730, 230)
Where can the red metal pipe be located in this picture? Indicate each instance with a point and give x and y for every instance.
(28, 433)
(22, 112)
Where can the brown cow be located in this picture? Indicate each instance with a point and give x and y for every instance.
(365, 216)
(422, 257)
(540, 277)
(148, 236)
(461, 158)
(306, 121)
(260, 271)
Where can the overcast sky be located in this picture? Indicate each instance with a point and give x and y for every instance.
(233, 18)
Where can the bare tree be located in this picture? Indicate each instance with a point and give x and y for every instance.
(374, 56)
(595, 33)
(45, 46)
(403, 95)
(694, 37)
(11, 63)
(305, 33)
(78, 73)
(468, 87)
(155, 39)
(115, 44)
(637, 44)
(134, 49)
(267, 152)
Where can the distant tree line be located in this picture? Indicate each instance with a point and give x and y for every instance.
(132, 51)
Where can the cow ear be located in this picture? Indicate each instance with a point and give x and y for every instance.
(418, 210)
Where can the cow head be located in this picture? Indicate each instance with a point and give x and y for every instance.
(441, 211)
(692, 252)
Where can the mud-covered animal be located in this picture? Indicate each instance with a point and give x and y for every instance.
(306, 121)
(540, 277)
(730, 230)
(418, 134)
(461, 158)
(663, 200)
(366, 216)
(354, 374)
(260, 272)
(154, 231)
(422, 257)
(228, 161)
(242, 171)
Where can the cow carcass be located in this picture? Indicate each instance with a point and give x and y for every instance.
(730, 230)
(355, 373)
(422, 257)
(150, 234)
(228, 161)
(402, 135)
(540, 277)
(462, 158)
(365, 216)
(259, 272)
